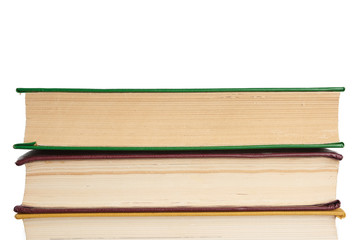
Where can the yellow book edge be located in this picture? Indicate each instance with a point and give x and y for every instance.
(339, 213)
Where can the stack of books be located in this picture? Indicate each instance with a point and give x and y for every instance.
(181, 164)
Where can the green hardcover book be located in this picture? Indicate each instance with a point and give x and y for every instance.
(181, 119)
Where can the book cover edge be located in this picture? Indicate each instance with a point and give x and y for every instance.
(33, 145)
(169, 90)
(337, 213)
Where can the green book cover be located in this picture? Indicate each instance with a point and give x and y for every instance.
(315, 89)
(34, 145)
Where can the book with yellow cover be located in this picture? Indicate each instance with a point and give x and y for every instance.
(265, 225)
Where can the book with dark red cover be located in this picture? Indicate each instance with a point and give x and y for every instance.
(36, 155)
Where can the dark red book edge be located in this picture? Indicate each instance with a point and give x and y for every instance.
(36, 155)
(318, 207)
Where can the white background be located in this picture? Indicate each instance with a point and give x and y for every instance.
(178, 44)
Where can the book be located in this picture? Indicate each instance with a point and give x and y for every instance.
(270, 225)
(181, 119)
(180, 181)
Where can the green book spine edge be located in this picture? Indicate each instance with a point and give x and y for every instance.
(79, 90)
(33, 145)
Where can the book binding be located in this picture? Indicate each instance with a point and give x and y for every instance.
(318, 207)
(79, 90)
(33, 145)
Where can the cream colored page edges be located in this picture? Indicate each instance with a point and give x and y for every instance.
(181, 119)
(169, 228)
(181, 182)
